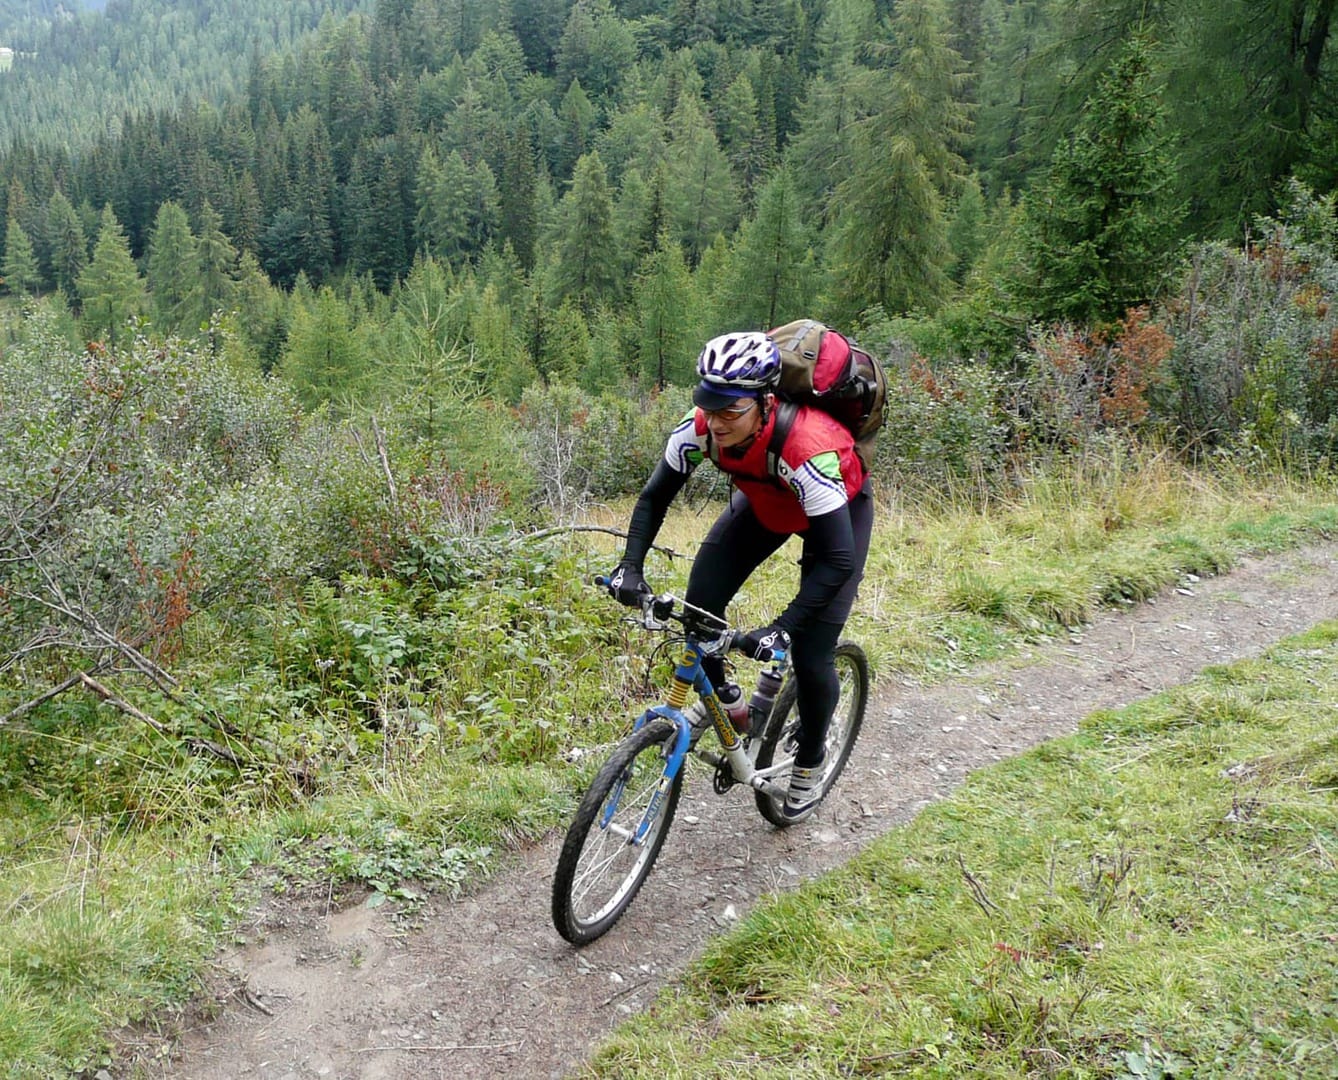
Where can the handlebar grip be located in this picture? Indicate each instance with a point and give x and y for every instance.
(600, 580)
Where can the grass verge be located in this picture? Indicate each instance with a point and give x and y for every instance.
(1156, 895)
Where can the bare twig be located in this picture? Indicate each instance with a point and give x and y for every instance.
(977, 889)
(250, 998)
(543, 534)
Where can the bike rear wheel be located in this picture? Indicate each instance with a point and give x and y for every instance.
(780, 738)
(602, 864)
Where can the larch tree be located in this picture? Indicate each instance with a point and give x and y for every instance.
(584, 267)
(109, 288)
(702, 198)
(890, 228)
(322, 358)
(662, 294)
(217, 263)
(770, 276)
(66, 241)
(19, 269)
(172, 270)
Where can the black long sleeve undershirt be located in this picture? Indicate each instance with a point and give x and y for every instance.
(829, 560)
(648, 514)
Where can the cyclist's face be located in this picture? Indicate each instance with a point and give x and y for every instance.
(736, 424)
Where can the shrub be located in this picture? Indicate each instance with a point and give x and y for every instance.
(943, 424)
(581, 446)
(1255, 364)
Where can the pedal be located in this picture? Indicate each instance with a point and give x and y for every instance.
(724, 778)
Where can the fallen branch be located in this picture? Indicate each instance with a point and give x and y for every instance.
(116, 703)
(442, 1048)
(41, 699)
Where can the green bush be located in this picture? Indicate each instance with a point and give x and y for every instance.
(581, 446)
(944, 425)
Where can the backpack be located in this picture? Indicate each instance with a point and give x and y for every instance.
(824, 369)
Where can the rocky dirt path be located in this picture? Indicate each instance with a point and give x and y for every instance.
(487, 988)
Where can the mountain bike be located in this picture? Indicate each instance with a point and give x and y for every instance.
(624, 817)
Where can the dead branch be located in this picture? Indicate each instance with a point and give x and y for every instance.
(384, 456)
(543, 534)
(41, 699)
(196, 744)
(125, 706)
(82, 617)
(218, 750)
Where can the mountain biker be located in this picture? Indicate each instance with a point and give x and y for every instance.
(821, 492)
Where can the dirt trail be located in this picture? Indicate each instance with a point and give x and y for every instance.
(488, 988)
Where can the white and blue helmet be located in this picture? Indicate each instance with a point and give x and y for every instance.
(734, 366)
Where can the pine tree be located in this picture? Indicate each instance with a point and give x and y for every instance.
(517, 221)
(890, 244)
(109, 288)
(770, 275)
(566, 352)
(216, 265)
(585, 265)
(702, 198)
(458, 206)
(835, 98)
(66, 240)
(322, 360)
(737, 117)
(19, 270)
(967, 229)
(578, 119)
(430, 357)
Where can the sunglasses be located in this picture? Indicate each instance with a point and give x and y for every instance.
(732, 412)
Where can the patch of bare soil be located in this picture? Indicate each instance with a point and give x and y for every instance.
(486, 987)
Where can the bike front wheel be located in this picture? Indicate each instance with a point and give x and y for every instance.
(603, 860)
(780, 738)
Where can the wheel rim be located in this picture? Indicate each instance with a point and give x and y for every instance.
(609, 867)
(846, 704)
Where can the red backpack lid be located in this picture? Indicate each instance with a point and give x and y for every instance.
(833, 361)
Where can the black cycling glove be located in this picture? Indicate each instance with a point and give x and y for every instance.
(765, 643)
(627, 585)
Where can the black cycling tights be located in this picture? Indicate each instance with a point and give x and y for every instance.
(736, 545)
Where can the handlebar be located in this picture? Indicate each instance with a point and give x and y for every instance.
(659, 610)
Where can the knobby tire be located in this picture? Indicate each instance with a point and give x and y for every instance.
(599, 872)
(781, 730)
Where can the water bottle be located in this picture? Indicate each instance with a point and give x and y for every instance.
(731, 700)
(768, 686)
